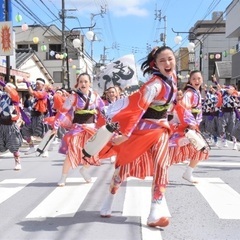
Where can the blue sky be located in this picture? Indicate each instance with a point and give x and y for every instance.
(125, 26)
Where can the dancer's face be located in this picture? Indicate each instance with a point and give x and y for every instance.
(166, 62)
(196, 80)
(84, 83)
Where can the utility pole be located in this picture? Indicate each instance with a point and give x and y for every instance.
(81, 48)
(103, 11)
(104, 56)
(163, 36)
(63, 16)
(7, 76)
(63, 42)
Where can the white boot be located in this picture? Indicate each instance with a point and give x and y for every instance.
(188, 175)
(85, 174)
(155, 218)
(106, 209)
(17, 165)
(155, 212)
(62, 181)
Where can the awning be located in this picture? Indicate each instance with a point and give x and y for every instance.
(15, 72)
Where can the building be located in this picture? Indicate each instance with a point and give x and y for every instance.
(233, 32)
(62, 64)
(28, 61)
(23, 63)
(184, 61)
(211, 46)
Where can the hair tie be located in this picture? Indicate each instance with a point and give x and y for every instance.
(152, 64)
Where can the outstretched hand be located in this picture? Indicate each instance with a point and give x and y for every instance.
(214, 79)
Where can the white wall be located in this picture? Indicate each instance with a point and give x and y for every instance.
(233, 19)
(34, 71)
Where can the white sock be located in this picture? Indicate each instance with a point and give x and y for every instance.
(62, 180)
(188, 175)
(84, 172)
(107, 205)
(189, 171)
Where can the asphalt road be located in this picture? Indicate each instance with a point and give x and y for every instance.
(33, 207)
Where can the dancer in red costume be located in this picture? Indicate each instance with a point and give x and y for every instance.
(142, 147)
(187, 113)
(82, 108)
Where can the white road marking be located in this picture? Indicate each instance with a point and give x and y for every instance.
(218, 163)
(137, 203)
(9, 187)
(224, 201)
(6, 154)
(63, 200)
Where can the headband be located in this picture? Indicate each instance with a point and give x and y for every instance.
(40, 80)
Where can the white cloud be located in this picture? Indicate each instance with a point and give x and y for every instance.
(130, 11)
(129, 7)
(117, 7)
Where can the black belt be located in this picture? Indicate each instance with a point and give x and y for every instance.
(84, 118)
(153, 114)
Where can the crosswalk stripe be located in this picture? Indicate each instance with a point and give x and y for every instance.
(63, 200)
(218, 163)
(9, 187)
(224, 201)
(137, 203)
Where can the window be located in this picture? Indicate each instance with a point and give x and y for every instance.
(57, 48)
(34, 47)
(26, 46)
(22, 46)
(212, 58)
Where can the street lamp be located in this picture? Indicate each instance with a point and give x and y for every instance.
(90, 35)
(191, 45)
(178, 39)
(77, 43)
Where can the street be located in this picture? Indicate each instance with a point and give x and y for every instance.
(33, 207)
